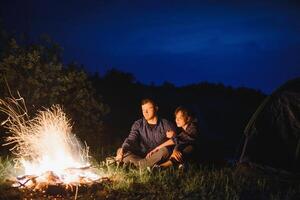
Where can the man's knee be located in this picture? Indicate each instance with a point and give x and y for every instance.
(164, 152)
(159, 156)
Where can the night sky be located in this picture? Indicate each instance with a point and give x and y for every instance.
(252, 44)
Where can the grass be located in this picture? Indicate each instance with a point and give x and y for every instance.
(198, 182)
(6, 171)
(204, 182)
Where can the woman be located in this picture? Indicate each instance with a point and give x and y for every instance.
(184, 142)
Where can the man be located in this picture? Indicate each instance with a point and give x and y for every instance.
(145, 135)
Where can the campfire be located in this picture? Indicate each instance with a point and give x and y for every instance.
(45, 150)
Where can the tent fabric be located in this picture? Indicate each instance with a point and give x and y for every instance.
(273, 132)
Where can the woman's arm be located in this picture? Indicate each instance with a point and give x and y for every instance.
(165, 144)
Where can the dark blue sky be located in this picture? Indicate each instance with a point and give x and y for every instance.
(250, 44)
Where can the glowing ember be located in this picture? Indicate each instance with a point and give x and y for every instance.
(45, 147)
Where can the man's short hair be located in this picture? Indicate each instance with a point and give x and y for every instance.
(148, 100)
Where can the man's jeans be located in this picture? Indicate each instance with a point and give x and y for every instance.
(159, 156)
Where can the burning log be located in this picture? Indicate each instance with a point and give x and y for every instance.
(50, 178)
(50, 185)
(65, 190)
(22, 181)
(78, 168)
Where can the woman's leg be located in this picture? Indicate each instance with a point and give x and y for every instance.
(168, 163)
(186, 155)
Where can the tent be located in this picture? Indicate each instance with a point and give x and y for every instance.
(273, 132)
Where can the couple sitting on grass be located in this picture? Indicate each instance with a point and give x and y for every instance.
(153, 142)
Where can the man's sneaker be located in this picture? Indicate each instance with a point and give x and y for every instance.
(149, 169)
(154, 168)
(182, 167)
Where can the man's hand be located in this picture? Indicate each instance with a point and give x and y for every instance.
(177, 155)
(170, 134)
(151, 152)
(120, 155)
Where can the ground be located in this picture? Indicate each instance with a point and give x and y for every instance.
(197, 182)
